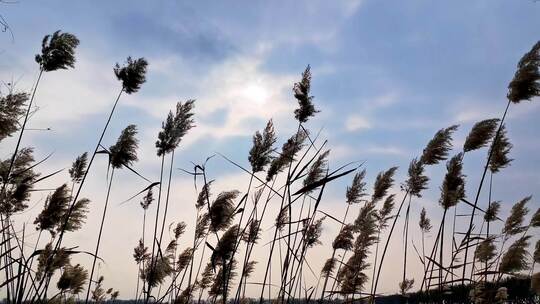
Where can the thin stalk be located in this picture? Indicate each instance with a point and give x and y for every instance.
(490, 154)
(99, 238)
(155, 226)
(388, 242)
(441, 264)
(167, 198)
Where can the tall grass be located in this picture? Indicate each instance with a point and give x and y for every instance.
(218, 264)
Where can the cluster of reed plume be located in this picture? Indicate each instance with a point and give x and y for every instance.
(213, 268)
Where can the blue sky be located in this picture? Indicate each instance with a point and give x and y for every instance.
(386, 76)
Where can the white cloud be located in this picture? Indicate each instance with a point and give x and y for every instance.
(356, 123)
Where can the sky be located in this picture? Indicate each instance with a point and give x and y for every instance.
(386, 76)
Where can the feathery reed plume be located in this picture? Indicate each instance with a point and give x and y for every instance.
(251, 235)
(148, 198)
(328, 267)
(204, 195)
(98, 294)
(500, 148)
(11, 109)
(357, 189)
(207, 277)
(260, 153)
(132, 74)
(124, 152)
(301, 90)
(201, 226)
(514, 222)
(453, 187)
(49, 263)
(72, 279)
(317, 170)
(383, 182)
(525, 84)
(344, 239)
(282, 218)
(485, 251)
(313, 233)
(405, 286)
(77, 217)
(515, 258)
(353, 277)
(481, 133)
(179, 230)
(57, 51)
(184, 259)
(222, 210)
(76, 172)
(383, 215)
(438, 147)
(417, 181)
(425, 222)
(157, 271)
(535, 220)
(140, 253)
(17, 185)
(175, 127)
(288, 152)
(219, 285)
(535, 283)
(53, 212)
(225, 248)
(492, 211)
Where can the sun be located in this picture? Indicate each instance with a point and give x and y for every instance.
(256, 93)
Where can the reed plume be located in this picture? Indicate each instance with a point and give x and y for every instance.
(78, 215)
(53, 211)
(76, 172)
(492, 211)
(417, 181)
(344, 239)
(288, 153)
(328, 267)
(260, 154)
(383, 182)
(140, 253)
(535, 220)
(514, 222)
(301, 90)
(312, 233)
(184, 259)
(72, 279)
(453, 187)
(425, 222)
(57, 51)
(485, 251)
(124, 151)
(438, 147)
(175, 127)
(222, 210)
(357, 190)
(225, 248)
(525, 84)
(515, 258)
(49, 262)
(156, 272)
(18, 184)
(480, 135)
(251, 235)
(11, 109)
(132, 74)
(405, 286)
(317, 170)
(500, 148)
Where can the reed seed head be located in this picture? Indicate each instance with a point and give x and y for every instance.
(301, 90)
(485, 251)
(492, 211)
(526, 82)
(57, 51)
(73, 279)
(124, 152)
(260, 154)
(514, 222)
(417, 181)
(175, 127)
(383, 215)
(288, 153)
(132, 74)
(500, 148)
(78, 168)
(425, 222)
(221, 211)
(383, 182)
(140, 253)
(318, 169)
(11, 109)
(515, 258)
(453, 187)
(344, 239)
(147, 199)
(53, 212)
(438, 147)
(357, 189)
(481, 133)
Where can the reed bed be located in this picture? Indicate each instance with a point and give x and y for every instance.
(216, 264)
